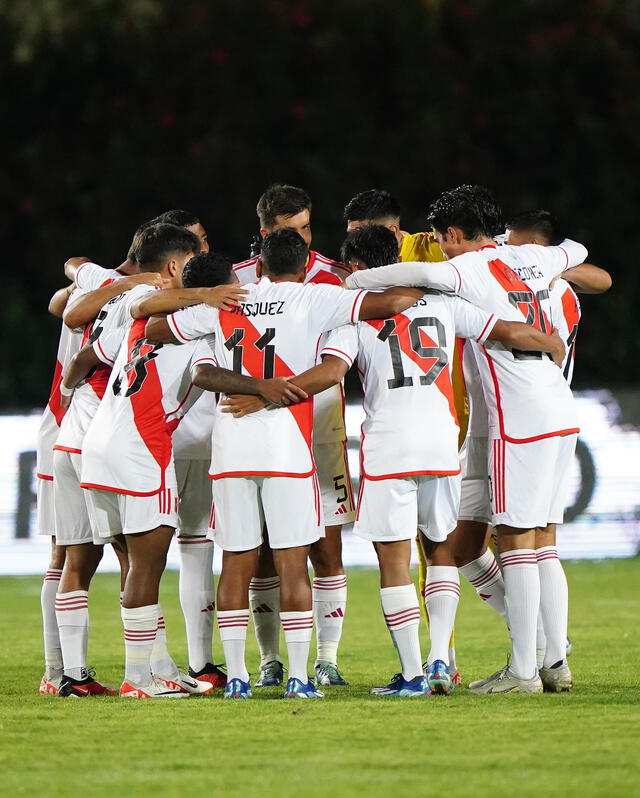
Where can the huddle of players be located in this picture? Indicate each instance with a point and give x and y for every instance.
(124, 463)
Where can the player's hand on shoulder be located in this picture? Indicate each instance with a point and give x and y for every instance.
(223, 297)
(279, 391)
(144, 278)
(241, 404)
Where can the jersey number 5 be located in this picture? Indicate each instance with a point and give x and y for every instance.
(408, 340)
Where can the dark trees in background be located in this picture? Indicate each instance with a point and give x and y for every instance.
(117, 110)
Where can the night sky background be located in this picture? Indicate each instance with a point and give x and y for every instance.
(115, 111)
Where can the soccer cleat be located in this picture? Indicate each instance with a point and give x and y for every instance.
(399, 687)
(556, 680)
(504, 681)
(81, 688)
(271, 674)
(187, 684)
(156, 688)
(329, 673)
(456, 679)
(297, 689)
(236, 688)
(50, 683)
(439, 679)
(210, 673)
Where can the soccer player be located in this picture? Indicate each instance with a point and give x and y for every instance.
(410, 469)
(532, 418)
(262, 464)
(96, 284)
(130, 441)
(379, 207)
(289, 207)
(191, 222)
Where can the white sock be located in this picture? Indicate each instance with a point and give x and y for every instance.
(522, 598)
(485, 575)
(541, 640)
(329, 604)
(264, 600)
(232, 625)
(441, 596)
(298, 627)
(72, 612)
(52, 649)
(197, 597)
(554, 604)
(162, 663)
(402, 614)
(140, 625)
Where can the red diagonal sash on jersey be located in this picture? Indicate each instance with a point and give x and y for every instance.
(253, 363)
(55, 397)
(510, 281)
(443, 380)
(148, 410)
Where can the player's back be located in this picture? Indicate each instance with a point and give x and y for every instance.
(320, 269)
(565, 317)
(527, 397)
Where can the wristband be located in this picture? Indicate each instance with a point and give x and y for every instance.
(66, 391)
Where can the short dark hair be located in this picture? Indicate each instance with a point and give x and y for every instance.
(284, 252)
(374, 204)
(280, 200)
(160, 241)
(179, 217)
(207, 270)
(132, 254)
(374, 245)
(543, 223)
(471, 208)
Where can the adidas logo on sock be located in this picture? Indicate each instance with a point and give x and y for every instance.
(335, 614)
(263, 608)
(209, 608)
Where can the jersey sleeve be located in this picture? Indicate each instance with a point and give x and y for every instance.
(204, 352)
(193, 322)
(331, 306)
(90, 276)
(107, 345)
(343, 343)
(555, 260)
(441, 276)
(470, 321)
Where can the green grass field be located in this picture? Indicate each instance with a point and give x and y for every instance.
(351, 744)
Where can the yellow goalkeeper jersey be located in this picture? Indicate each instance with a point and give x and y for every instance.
(424, 248)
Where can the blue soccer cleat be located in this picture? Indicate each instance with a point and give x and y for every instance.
(439, 678)
(236, 688)
(399, 687)
(297, 689)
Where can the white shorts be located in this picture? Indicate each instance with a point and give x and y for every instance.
(336, 491)
(44, 503)
(117, 513)
(194, 490)
(75, 524)
(475, 504)
(529, 482)
(241, 505)
(391, 509)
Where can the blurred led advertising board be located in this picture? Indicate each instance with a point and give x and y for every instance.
(602, 519)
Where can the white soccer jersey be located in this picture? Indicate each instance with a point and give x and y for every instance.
(105, 334)
(478, 426)
(328, 406)
(88, 277)
(411, 426)
(192, 438)
(565, 317)
(527, 396)
(273, 333)
(128, 448)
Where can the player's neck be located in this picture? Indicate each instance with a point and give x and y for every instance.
(474, 244)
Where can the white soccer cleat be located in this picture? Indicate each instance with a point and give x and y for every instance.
(50, 682)
(556, 680)
(504, 681)
(187, 684)
(156, 688)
